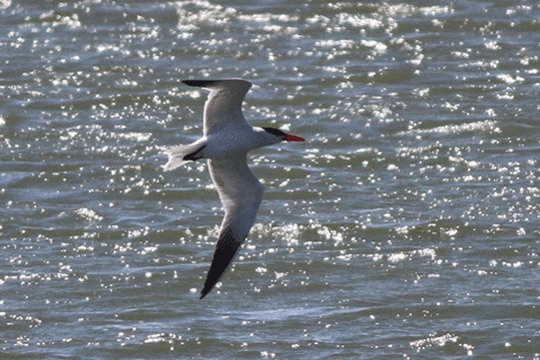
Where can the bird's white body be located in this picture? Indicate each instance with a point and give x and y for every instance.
(226, 141)
(234, 141)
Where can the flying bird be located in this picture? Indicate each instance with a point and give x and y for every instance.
(226, 140)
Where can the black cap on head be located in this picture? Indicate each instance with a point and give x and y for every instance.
(275, 132)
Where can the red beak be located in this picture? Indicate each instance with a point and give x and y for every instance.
(293, 138)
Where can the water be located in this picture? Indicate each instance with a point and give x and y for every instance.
(406, 228)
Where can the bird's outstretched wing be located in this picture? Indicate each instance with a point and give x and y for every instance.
(224, 104)
(241, 194)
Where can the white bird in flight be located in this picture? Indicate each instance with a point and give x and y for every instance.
(227, 138)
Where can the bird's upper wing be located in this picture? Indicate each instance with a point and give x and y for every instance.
(241, 194)
(224, 104)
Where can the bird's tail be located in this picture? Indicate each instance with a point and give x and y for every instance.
(181, 154)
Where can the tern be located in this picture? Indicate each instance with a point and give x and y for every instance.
(226, 140)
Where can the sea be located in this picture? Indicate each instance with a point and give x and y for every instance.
(406, 227)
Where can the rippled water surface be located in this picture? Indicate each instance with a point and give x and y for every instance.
(407, 227)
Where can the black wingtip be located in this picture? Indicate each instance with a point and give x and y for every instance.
(208, 286)
(199, 83)
(226, 250)
(203, 294)
(206, 290)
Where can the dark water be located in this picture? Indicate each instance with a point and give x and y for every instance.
(406, 228)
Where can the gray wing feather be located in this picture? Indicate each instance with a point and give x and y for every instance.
(224, 104)
(241, 195)
(239, 190)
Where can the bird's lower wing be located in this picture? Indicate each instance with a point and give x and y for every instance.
(241, 194)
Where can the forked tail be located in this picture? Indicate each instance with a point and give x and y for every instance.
(181, 154)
